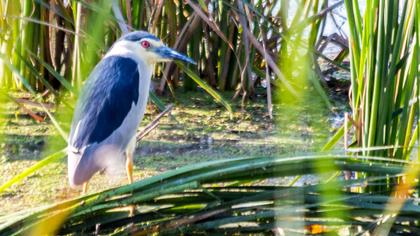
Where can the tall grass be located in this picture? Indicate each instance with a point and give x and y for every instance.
(384, 73)
(72, 38)
(242, 195)
(53, 45)
(217, 197)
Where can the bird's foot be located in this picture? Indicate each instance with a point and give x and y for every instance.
(131, 211)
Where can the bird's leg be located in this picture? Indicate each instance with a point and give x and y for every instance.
(129, 167)
(129, 152)
(85, 187)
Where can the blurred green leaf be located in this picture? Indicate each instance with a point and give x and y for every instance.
(216, 96)
(29, 171)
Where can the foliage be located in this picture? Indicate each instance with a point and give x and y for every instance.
(71, 38)
(384, 73)
(52, 45)
(218, 196)
(233, 41)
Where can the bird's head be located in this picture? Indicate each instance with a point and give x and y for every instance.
(147, 47)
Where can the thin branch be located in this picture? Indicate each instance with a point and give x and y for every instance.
(267, 78)
(270, 62)
(152, 125)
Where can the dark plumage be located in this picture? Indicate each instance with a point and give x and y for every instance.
(138, 35)
(111, 94)
(112, 105)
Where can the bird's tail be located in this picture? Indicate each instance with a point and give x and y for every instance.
(83, 165)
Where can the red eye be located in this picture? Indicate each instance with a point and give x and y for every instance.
(145, 44)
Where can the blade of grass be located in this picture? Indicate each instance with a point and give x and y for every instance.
(45, 161)
(217, 97)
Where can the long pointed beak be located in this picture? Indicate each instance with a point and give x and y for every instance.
(169, 53)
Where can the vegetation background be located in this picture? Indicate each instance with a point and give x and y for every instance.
(268, 82)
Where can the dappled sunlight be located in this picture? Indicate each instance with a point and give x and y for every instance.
(171, 145)
(219, 117)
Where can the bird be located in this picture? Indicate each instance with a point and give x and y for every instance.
(111, 106)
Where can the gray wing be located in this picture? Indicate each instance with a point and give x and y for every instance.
(105, 101)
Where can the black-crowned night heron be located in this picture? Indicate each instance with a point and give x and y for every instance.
(112, 104)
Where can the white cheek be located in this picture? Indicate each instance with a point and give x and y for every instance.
(125, 49)
(148, 56)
